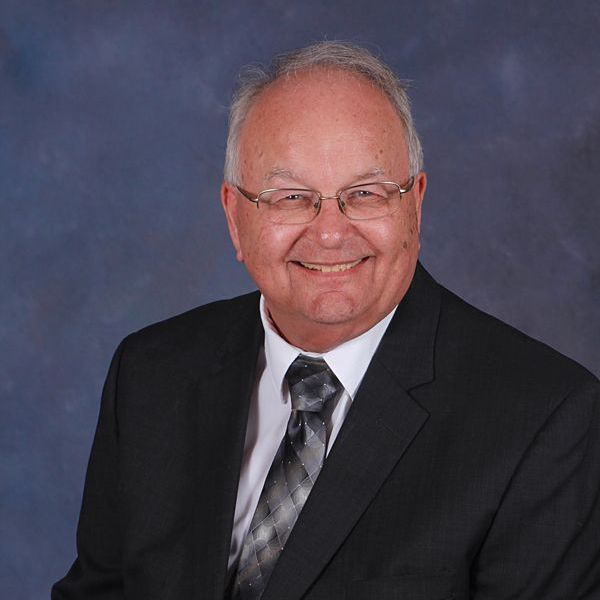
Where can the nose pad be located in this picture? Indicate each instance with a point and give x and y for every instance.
(341, 204)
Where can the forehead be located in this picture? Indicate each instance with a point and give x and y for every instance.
(320, 122)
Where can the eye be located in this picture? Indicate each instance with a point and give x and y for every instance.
(287, 198)
(293, 197)
(365, 192)
(362, 193)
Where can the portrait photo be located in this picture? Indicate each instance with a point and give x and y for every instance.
(300, 300)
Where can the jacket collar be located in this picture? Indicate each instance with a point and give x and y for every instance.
(407, 349)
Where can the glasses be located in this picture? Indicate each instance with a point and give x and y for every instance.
(295, 206)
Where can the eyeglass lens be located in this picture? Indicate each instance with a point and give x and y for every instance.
(297, 206)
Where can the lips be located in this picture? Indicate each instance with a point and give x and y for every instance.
(330, 268)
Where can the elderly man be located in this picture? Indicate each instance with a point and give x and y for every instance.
(354, 430)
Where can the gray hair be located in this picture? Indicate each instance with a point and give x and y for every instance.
(329, 54)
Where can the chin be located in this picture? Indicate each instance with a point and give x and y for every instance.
(333, 308)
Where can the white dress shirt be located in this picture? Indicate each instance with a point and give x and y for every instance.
(270, 410)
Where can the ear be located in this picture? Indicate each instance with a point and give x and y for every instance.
(229, 201)
(419, 193)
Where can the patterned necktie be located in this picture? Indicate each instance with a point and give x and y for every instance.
(294, 471)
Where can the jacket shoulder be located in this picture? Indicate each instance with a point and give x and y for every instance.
(490, 349)
(205, 326)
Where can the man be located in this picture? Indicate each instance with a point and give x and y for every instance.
(356, 431)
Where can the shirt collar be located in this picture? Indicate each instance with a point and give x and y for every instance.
(348, 361)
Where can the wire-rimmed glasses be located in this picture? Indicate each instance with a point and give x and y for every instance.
(295, 206)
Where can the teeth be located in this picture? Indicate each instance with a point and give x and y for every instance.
(330, 268)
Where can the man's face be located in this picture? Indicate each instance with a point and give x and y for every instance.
(325, 130)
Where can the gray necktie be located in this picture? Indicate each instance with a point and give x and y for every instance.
(294, 471)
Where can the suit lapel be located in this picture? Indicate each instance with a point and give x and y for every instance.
(221, 434)
(380, 426)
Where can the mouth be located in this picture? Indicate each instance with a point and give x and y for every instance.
(331, 268)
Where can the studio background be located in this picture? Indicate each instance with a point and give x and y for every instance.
(112, 133)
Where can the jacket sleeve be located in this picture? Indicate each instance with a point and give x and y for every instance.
(96, 572)
(544, 541)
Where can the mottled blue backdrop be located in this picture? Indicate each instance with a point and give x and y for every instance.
(112, 128)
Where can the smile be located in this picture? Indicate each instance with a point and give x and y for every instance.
(330, 268)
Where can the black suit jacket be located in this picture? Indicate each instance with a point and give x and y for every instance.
(467, 467)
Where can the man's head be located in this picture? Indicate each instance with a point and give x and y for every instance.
(324, 118)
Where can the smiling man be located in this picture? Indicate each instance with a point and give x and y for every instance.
(353, 429)
(328, 270)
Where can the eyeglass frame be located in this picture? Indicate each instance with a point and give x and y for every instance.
(402, 189)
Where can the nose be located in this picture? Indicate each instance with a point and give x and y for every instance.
(331, 226)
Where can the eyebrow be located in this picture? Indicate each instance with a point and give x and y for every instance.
(286, 173)
(280, 173)
(375, 172)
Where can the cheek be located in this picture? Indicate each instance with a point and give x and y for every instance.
(264, 245)
(250, 233)
(396, 242)
(398, 234)
(408, 228)
(414, 224)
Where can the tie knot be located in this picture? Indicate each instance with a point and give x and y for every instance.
(311, 383)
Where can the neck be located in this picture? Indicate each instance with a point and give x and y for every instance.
(318, 337)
